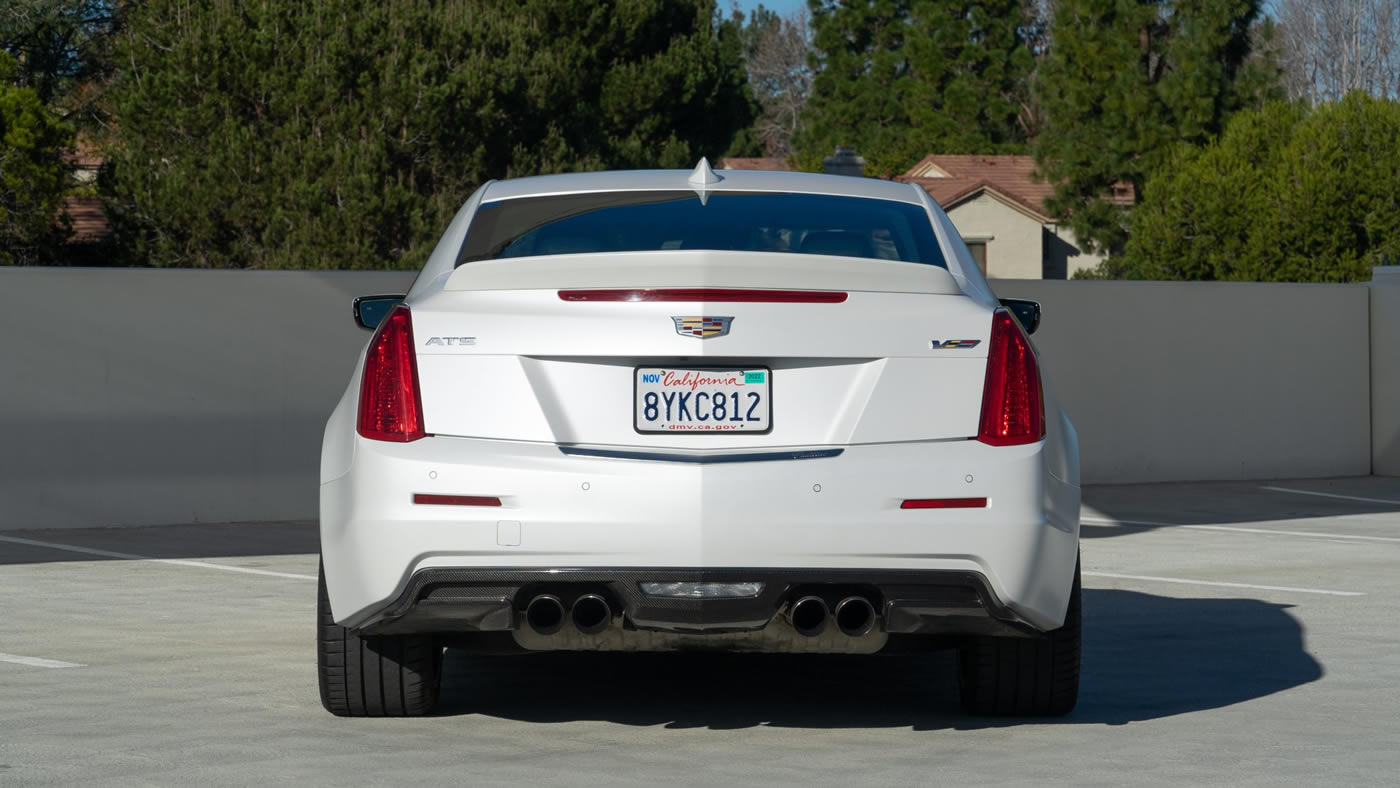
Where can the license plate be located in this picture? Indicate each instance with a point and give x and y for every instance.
(703, 400)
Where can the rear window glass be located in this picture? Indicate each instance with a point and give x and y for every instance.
(738, 221)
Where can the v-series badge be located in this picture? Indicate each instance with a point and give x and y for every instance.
(951, 344)
(450, 341)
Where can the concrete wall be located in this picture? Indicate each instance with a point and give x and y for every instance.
(1175, 381)
(134, 396)
(143, 396)
(1014, 251)
(1385, 371)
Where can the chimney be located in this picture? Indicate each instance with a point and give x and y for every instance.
(844, 162)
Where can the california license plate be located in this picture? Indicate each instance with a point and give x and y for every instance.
(703, 400)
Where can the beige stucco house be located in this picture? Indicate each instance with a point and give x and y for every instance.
(998, 207)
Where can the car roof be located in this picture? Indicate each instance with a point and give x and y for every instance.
(678, 180)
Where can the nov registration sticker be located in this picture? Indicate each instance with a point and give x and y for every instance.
(669, 399)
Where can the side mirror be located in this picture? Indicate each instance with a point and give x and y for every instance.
(1027, 312)
(371, 310)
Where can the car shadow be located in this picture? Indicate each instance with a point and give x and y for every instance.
(1145, 657)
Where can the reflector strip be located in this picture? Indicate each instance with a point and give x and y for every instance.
(944, 503)
(711, 294)
(457, 500)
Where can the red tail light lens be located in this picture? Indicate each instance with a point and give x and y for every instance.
(712, 294)
(390, 406)
(1013, 409)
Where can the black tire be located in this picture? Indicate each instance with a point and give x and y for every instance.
(384, 676)
(1024, 677)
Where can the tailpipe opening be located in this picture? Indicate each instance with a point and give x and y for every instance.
(545, 614)
(591, 614)
(808, 616)
(855, 616)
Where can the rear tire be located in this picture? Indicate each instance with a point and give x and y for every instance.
(1024, 677)
(382, 676)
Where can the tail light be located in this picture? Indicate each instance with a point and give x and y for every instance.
(1013, 408)
(391, 408)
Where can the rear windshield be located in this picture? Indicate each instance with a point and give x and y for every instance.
(738, 221)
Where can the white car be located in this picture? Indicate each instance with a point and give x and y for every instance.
(673, 410)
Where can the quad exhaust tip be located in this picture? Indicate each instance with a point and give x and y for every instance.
(855, 616)
(808, 616)
(545, 614)
(591, 614)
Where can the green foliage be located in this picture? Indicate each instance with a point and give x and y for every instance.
(1125, 81)
(900, 79)
(33, 173)
(345, 133)
(63, 51)
(1286, 194)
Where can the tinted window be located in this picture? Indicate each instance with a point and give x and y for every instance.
(742, 221)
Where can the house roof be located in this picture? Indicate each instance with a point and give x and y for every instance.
(953, 179)
(756, 163)
(89, 220)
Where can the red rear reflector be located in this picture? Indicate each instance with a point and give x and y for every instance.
(457, 500)
(709, 294)
(390, 406)
(944, 503)
(1013, 410)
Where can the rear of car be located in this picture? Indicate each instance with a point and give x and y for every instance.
(672, 411)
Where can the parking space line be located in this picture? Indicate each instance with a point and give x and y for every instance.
(1185, 581)
(1317, 534)
(133, 557)
(1235, 529)
(38, 662)
(1330, 495)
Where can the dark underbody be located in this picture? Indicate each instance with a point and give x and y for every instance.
(486, 607)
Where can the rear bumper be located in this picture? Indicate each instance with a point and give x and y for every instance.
(822, 519)
(495, 600)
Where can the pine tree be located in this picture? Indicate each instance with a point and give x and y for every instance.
(33, 173)
(900, 79)
(1127, 80)
(345, 133)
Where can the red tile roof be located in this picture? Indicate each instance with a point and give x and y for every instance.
(951, 179)
(89, 220)
(758, 163)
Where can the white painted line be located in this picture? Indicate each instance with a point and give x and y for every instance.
(1233, 529)
(1108, 521)
(1316, 534)
(1184, 581)
(1331, 495)
(38, 662)
(133, 557)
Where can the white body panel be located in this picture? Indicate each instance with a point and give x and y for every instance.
(541, 374)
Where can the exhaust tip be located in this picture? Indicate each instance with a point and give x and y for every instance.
(855, 616)
(545, 614)
(591, 614)
(808, 616)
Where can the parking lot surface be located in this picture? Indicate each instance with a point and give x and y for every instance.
(1235, 634)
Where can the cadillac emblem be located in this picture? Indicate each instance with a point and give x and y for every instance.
(702, 327)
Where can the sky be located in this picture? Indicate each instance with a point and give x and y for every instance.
(786, 6)
(783, 7)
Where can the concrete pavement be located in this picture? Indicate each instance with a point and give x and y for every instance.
(1236, 634)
